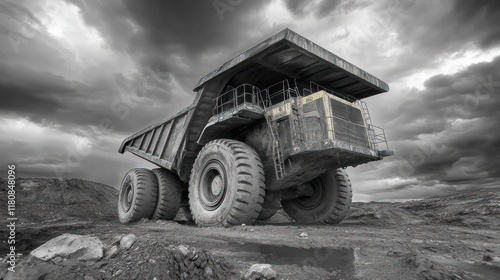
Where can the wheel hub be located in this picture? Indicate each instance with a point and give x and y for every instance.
(212, 185)
(127, 198)
(314, 197)
(217, 185)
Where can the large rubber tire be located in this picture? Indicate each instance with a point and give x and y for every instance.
(169, 195)
(227, 185)
(329, 203)
(266, 214)
(138, 194)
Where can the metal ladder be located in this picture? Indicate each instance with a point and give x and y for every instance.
(297, 125)
(368, 122)
(279, 164)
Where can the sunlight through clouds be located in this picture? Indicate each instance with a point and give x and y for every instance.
(89, 51)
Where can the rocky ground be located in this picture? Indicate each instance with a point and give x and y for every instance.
(456, 237)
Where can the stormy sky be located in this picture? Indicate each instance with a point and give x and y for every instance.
(68, 67)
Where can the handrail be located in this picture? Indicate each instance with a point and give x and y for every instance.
(279, 92)
(234, 98)
(247, 93)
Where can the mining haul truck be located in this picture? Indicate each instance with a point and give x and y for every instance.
(274, 127)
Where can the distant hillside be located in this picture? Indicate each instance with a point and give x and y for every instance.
(466, 208)
(477, 209)
(42, 200)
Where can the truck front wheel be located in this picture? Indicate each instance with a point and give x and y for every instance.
(329, 202)
(138, 194)
(227, 184)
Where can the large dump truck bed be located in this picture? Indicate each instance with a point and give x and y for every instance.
(173, 143)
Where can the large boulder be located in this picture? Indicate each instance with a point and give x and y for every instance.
(70, 246)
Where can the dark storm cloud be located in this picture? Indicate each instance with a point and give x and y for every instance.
(456, 143)
(181, 37)
(327, 6)
(449, 27)
(297, 7)
(167, 38)
(429, 30)
(481, 20)
(323, 8)
(49, 99)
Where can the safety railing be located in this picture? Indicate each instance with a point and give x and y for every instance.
(377, 137)
(237, 97)
(247, 93)
(277, 93)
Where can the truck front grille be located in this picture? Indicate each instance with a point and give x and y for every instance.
(348, 123)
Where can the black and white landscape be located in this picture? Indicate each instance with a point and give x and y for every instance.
(431, 211)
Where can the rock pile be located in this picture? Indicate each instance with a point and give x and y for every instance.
(127, 257)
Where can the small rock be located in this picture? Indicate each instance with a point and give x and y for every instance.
(116, 239)
(102, 264)
(112, 252)
(88, 277)
(243, 225)
(304, 235)
(491, 259)
(252, 229)
(127, 241)
(260, 271)
(487, 258)
(70, 246)
(184, 249)
(208, 272)
(392, 253)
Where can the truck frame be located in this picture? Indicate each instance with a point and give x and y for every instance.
(273, 127)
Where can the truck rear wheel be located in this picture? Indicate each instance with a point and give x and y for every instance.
(138, 194)
(329, 203)
(169, 195)
(227, 184)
